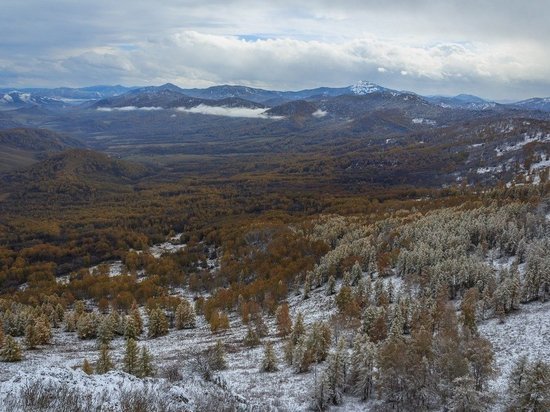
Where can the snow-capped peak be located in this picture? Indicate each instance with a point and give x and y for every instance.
(364, 87)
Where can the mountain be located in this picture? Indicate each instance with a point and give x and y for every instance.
(462, 101)
(537, 103)
(17, 99)
(24, 146)
(69, 95)
(73, 173)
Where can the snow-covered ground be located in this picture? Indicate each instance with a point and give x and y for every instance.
(525, 332)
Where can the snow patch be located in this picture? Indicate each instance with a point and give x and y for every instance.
(228, 111)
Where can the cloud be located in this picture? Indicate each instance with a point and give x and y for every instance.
(228, 111)
(494, 48)
(319, 113)
(128, 109)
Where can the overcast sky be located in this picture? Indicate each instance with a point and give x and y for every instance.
(497, 49)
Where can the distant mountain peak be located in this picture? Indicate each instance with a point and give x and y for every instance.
(363, 87)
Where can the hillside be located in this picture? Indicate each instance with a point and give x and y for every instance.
(22, 147)
(74, 173)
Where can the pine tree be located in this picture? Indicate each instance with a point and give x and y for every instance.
(43, 330)
(259, 325)
(363, 367)
(301, 356)
(299, 329)
(31, 336)
(87, 368)
(86, 326)
(11, 351)
(335, 375)
(307, 286)
(145, 363)
(217, 356)
(269, 362)
(356, 273)
(136, 316)
(158, 323)
(284, 323)
(70, 322)
(104, 363)
(131, 330)
(251, 339)
(104, 331)
(2, 336)
(185, 315)
(131, 358)
(318, 341)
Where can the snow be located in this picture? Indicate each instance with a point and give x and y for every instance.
(363, 87)
(420, 120)
(7, 98)
(538, 137)
(494, 169)
(526, 332)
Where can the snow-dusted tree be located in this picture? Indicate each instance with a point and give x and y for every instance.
(299, 328)
(87, 368)
(269, 362)
(468, 308)
(11, 351)
(466, 398)
(185, 315)
(335, 374)
(31, 336)
(307, 286)
(158, 323)
(362, 371)
(356, 273)
(104, 363)
(70, 321)
(134, 313)
(284, 323)
(131, 358)
(301, 356)
(145, 363)
(118, 323)
(217, 356)
(43, 330)
(318, 341)
(331, 286)
(86, 326)
(130, 328)
(104, 330)
(529, 385)
(479, 353)
(251, 339)
(259, 325)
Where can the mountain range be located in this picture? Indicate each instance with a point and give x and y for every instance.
(64, 96)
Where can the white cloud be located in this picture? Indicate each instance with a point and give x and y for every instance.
(319, 113)
(228, 111)
(128, 109)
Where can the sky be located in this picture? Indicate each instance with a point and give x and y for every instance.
(496, 49)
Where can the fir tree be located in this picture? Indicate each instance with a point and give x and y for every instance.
(335, 375)
(158, 323)
(217, 356)
(185, 315)
(251, 339)
(131, 330)
(131, 358)
(136, 316)
(104, 363)
(363, 367)
(31, 336)
(298, 330)
(269, 362)
(104, 331)
(145, 363)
